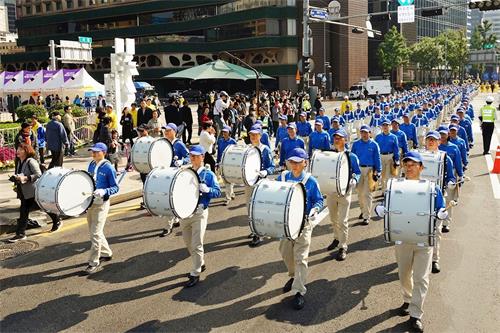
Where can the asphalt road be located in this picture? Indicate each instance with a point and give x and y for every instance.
(141, 288)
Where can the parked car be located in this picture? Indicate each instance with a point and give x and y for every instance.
(174, 93)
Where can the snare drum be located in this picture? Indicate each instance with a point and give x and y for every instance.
(149, 153)
(241, 165)
(172, 192)
(332, 170)
(277, 209)
(410, 211)
(64, 192)
(434, 166)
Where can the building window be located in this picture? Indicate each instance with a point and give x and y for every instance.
(28, 10)
(58, 5)
(69, 4)
(48, 6)
(81, 3)
(38, 9)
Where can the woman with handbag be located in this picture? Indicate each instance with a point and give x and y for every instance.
(27, 172)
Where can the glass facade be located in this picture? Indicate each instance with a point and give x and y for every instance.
(453, 18)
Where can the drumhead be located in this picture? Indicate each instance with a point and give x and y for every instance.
(252, 164)
(161, 153)
(185, 193)
(74, 193)
(343, 173)
(296, 211)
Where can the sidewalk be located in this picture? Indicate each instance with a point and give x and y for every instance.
(130, 188)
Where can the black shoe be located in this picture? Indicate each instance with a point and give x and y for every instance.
(288, 286)
(365, 222)
(298, 301)
(106, 258)
(91, 270)
(445, 228)
(56, 226)
(342, 254)
(32, 224)
(203, 268)
(176, 225)
(17, 238)
(251, 236)
(165, 232)
(416, 324)
(256, 241)
(143, 206)
(403, 310)
(332, 246)
(435, 267)
(193, 280)
(360, 216)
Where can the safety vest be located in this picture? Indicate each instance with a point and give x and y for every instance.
(488, 114)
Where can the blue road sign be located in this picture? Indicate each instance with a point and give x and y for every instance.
(406, 2)
(321, 14)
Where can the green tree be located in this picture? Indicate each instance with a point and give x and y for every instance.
(476, 42)
(393, 52)
(456, 53)
(428, 54)
(487, 37)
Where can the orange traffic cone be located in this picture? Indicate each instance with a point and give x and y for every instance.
(496, 163)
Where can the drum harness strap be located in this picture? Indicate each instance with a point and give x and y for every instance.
(303, 181)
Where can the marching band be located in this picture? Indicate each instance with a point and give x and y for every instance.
(405, 143)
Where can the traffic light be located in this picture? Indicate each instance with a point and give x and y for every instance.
(485, 5)
(307, 64)
(432, 12)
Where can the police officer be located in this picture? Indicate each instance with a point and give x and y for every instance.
(181, 157)
(338, 205)
(389, 149)
(319, 139)
(432, 140)
(295, 253)
(487, 119)
(414, 261)
(368, 153)
(105, 183)
(289, 143)
(224, 141)
(193, 228)
(267, 168)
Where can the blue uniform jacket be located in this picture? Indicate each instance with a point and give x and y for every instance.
(264, 139)
(105, 178)
(411, 132)
(369, 110)
(349, 116)
(304, 128)
(314, 198)
(454, 153)
(462, 146)
(419, 120)
(40, 136)
(356, 171)
(326, 122)
(467, 124)
(388, 143)
(181, 152)
(359, 114)
(368, 153)
(267, 159)
(208, 178)
(463, 135)
(402, 142)
(287, 146)
(439, 201)
(390, 116)
(281, 133)
(470, 112)
(450, 175)
(222, 145)
(319, 140)
(376, 120)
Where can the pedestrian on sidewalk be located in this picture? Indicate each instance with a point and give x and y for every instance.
(106, 185)
(40, 136)
(187, 119)
(57, 140)
(69, 125)
(27, 173)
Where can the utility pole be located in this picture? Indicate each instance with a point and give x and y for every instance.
(306, 51)
(53, 59)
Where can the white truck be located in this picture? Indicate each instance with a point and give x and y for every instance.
(373, 87)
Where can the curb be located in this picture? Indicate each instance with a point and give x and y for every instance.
(44, 219)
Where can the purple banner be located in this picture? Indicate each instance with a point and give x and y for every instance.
(47, 75)
(8, 76)
(28, 75)
(69, 73)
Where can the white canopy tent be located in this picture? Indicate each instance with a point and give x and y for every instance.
(15, 84)
(81, 84)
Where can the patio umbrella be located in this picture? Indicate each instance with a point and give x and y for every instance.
(218, 69)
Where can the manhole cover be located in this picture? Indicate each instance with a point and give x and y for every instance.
(11, 250)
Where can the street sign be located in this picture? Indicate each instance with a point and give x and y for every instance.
(85, 40)
(406, 2)
(406, 14)
(482, 56)
(319, 13)
(73, 52)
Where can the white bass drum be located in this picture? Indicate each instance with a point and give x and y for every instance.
(332, 170)
(241, 165)
(149, 153)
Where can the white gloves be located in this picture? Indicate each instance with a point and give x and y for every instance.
(100, 193)
(353, 183)
(177, 163)
(442, 214)
(313, 212)
(204, 188)
(451, 185)
(380, 210)
(263, 174)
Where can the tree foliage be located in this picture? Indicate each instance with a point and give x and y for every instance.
(454, 45)
(427, 54)
(393, 51)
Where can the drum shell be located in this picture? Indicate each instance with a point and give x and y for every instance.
(233, 165)
(142, 151)
(159, 193)
(331, 176)
(277, 208)
(410, 212)
(434, 166)
(49, 186)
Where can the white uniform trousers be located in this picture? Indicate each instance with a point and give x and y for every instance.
(295, 254)
(387, 162)
(96, 218)
(437, 241)
(338, 207)
(229, 189)
(365, 196)
(451, 195)
(193, 232)
(414, 268)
